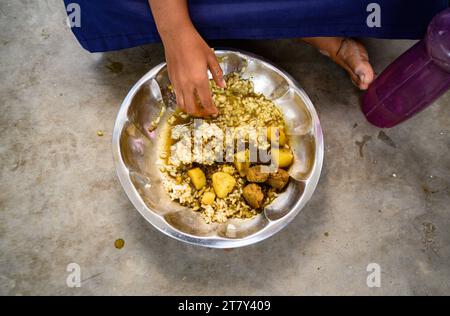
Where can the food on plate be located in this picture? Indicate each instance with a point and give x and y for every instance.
(242, 162)
(197, 177)
(257, 174)
(279, 179)
(277, 134)
(200, 172)
(208, 198)
(282, 157)
(253, 195)
(223, 183)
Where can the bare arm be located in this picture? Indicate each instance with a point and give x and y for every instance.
(188, 57)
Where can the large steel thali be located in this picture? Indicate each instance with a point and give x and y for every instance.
(135, 151)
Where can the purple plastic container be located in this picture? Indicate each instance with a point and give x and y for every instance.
(414, 81)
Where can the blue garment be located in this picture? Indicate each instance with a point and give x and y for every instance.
(116, 24)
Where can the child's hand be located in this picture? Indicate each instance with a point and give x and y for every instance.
(188, 60)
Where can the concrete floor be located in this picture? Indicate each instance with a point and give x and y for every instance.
(60, 201)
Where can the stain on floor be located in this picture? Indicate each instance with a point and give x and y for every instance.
(386, 139)
(115, 66)
(362, 143)
(429, 236)
(119, 243)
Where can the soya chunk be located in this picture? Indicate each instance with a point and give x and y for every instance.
(279, 179)
(254, 174)
(253, 195)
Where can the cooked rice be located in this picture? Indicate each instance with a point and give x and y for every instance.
(244, 110)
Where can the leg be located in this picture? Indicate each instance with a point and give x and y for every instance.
(349, 54)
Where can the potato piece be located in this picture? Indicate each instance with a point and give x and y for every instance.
(253, 195)
(278, 132)
(198, 178)
(242, 162)
(282, 157)
(223, 184)
(254, 174)
(279, 179)
(208, 198)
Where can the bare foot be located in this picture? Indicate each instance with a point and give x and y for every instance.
(349, 54)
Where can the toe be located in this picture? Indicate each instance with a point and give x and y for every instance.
(355, 58)
(365, 74)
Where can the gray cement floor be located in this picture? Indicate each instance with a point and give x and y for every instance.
(60, 201)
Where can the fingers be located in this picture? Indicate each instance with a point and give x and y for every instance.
(186, 102)
(193, 92)
(179, 97)
(192, 108)
(216, 71)
(184, 94)
(194, 97)
(204, 94)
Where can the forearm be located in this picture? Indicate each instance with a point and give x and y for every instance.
(188, 57)
(171, 17)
